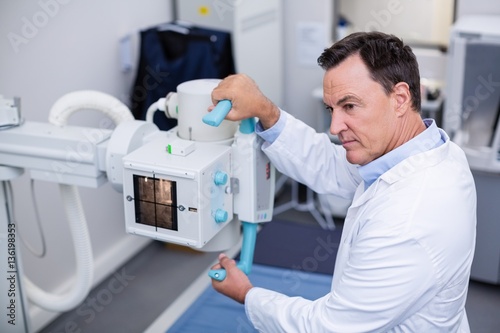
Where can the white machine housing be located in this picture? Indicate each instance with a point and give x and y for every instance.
(188, 198)
(186, 191)
(471, 114)
(472, 118)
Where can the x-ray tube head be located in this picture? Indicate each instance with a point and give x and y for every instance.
(194, 100)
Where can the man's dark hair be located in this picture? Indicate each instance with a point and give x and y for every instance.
(388, 60)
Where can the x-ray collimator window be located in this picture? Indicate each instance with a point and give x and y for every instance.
(155, 202)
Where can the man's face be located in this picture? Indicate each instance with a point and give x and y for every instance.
(363, 115)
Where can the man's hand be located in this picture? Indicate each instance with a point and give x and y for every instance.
(236, 284)
(247, 100)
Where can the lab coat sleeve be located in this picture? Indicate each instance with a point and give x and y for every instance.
(292, 316)
(312, 159)
(386, 280)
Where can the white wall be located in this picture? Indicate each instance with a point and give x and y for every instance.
(308, 31)
(49, 48)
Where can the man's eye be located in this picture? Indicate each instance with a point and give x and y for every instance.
(349, 106)
(328, 108)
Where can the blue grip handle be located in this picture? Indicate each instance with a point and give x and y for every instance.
(217, 274)
(246, 255)
(217, 115)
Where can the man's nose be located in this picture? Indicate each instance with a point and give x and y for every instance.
(337, 123)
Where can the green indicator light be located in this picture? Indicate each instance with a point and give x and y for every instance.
(169, 149)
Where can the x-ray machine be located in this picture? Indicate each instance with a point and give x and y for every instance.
(191, 185)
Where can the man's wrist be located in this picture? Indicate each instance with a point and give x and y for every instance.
(271, 115)
(244, 294)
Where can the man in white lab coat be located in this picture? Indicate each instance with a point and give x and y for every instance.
(407, 245)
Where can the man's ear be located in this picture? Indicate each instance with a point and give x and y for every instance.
(402, 97)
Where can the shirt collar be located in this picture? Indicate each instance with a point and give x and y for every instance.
(429, 139)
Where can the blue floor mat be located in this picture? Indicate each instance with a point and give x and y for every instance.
(297, 246)
(215, 313)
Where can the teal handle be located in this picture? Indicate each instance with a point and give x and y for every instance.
(217, 115)
(217, 274)
(246, 255)
(248, 246)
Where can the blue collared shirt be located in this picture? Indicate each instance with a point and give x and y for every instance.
(429, 139)
(271, 133)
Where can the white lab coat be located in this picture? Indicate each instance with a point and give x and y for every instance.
(407, 245)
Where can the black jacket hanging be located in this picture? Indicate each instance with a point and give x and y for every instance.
(169, 57)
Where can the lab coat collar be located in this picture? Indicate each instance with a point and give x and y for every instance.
(402, 170)
(428, 139)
